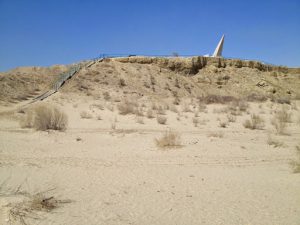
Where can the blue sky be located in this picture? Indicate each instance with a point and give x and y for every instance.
(44, 32)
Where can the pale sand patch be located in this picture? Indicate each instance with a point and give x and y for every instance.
(120, 176)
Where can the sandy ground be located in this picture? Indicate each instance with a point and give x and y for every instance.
(120, 176)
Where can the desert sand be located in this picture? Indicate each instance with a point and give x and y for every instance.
(107, 168)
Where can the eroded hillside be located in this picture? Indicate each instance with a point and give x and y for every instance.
(157, 78)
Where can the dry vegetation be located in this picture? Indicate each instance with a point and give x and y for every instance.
(170, 139)
(296, 163)
(161, 119)
(45, 117)
(86, 115)
(255, 122)
(29, 206)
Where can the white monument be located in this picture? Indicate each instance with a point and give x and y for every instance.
(219, 48)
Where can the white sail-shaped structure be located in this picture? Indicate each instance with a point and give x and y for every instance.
(219, 48)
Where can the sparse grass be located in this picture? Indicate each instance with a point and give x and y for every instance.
(86, 115)
(30, 205)
(170, 139)
(218, 134)
(161, 119)
(45, 117)
(255, 122)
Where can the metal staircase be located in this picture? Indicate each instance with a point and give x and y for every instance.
(62, 78)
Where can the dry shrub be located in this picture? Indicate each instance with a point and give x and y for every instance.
(218, 134)
(169, 139)
(283, 115)
(296, 163)
(160, 110)
(186, 108)
(217, 99)
(161, 119)
(202, 107)
(20, 212)
(45, 117)
(255, 122)
(122, 82)
(195, 121)
(223, 124)
(280, 120)
(127, 107)
(231, 118)
(150, 114)
(138, 112)
(86, 115)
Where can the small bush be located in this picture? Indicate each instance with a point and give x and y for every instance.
(256, 122)
(284, 116)
(45, 117)
(296, 163)
(161, 119)
(127, 107)
(231, 118)
(150, 114)
(122, 82)
(216, 134)
(195, 121)
(223, 124)
(86, 115)
(168, 140)
(279, 125)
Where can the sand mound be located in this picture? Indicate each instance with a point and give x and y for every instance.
(157, 77)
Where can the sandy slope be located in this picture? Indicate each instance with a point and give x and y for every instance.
(119, 176)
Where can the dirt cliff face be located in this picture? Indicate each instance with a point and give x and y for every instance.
(157, 77)
(192, 65)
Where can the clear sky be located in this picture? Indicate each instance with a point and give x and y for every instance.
(47, 32)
